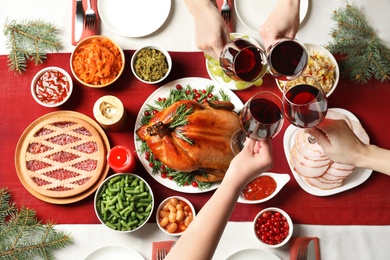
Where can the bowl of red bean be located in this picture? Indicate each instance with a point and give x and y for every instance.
(51, 87)
(273, 227)
(174, 215)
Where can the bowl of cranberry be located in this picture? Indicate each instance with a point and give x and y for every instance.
(273, 227)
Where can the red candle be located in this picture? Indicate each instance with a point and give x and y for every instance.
(120, 159)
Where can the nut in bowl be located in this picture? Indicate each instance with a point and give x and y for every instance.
(97, 61)
(263, 188)
(124, 202)
(174, 215)
(273, 227)
(151, 64)
(51, 87)
(322, 66)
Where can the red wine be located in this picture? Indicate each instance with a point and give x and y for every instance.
(306, 106)
(287, 59)
(263, 119)
(244, 64)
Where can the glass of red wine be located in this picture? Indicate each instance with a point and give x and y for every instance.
(243, 61)
(304, 102)
(287, 59)
(261, 118)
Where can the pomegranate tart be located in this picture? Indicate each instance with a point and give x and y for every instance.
(61, 155)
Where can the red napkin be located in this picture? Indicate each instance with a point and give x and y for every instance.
(161, 244)
(297, 242)
(232, 23)
(85, 33)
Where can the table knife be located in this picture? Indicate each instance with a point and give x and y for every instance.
(79, 20)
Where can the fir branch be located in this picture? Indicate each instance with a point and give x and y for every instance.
(180, 116)
(22, 236)
(366, 55)
(29, 40)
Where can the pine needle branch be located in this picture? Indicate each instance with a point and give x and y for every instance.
(29, 40)
(366, 55)
(22, 236)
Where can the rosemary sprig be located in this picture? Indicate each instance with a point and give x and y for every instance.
(29, 40)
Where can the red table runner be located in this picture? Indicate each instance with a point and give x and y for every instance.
(367, 204)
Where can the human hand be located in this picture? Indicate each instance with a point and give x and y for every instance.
(283, 22)
(338, 141)
(255, 158)
(212, 33)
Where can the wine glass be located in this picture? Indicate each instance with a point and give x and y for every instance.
(260, 118)
(304, 102)
(287, 59)
(243, 61)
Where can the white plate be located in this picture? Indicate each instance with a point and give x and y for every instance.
(253, 254)
(357, 177)
(323, 50)
(253, 13)
(114, 252)
(163, 91)
(231, 84)
(134, 18)
(281, 180)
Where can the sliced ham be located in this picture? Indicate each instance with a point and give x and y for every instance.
(304, 170)
(322, 185)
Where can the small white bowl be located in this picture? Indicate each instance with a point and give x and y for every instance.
(109, 44)
(60, 81)
(137, 73)
(165, 210)
(127, 209)
(276, 228)
(281, 179)
(321, 50)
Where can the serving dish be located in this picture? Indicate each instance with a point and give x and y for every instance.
(22, 148)
(216, 73)
(51, 87)
(281, 179)
(275, 220)
(163, 91)
(114, 252)
(97, 61)
(139, 72)
(131, 209)
(168, 212)
(358, 176)
(314, 48)
(253, 13)
(134, 18)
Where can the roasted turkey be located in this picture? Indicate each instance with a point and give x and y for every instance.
(201, 143)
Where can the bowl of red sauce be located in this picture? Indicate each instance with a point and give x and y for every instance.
(263, 187)
(51, 87)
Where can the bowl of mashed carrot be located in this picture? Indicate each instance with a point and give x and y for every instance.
(97, 61)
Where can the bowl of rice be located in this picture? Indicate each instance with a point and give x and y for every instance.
(322, 66)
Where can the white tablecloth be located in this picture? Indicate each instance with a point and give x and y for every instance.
(177, 34)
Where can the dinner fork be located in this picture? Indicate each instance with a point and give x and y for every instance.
(302, 252)
(226, 11)
(90, 17)
(161, 253)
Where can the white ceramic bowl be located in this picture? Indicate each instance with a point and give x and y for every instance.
(137, 73)
(169, 213)
(323, 51)
(123, 216)
(277, 229)
(115, 51)
(280, 179)
(54, 79)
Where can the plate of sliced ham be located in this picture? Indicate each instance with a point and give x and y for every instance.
(314, 171)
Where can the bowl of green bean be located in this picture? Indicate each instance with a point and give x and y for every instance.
(124, 202)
